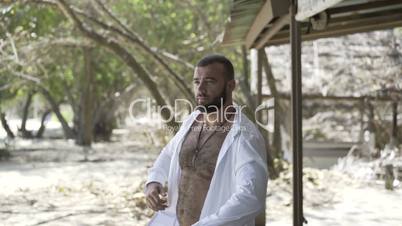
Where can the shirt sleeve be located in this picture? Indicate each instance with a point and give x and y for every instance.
(250, 193)
(160, 170)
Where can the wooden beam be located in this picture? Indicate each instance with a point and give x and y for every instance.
(263, 18)
(309, 8)
(374, 5)
(363, 17)
(363, 25)
(360, 21)
(318, 97)
(268, 73)
(270, 10)
(276, 27)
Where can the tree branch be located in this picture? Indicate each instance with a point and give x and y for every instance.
(28, 77)
(129, 36)
(123, 54)
(175, 58)
(132, 37)
(68, 132)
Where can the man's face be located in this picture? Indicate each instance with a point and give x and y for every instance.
(210, 86)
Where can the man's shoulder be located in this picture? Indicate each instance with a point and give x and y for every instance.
(247, 127)
(251, 144)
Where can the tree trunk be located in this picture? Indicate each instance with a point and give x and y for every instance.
(42, 127)
(104, 124)
(73, 103)
(68, 132)
(4, 123)
(126, 57)
(25, 112)
(86, 105)
(104, 120)
(134, 38)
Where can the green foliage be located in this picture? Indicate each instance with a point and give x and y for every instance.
(34, 20)
(186, 29)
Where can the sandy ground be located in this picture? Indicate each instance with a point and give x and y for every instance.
(47, 182)
(332, 198)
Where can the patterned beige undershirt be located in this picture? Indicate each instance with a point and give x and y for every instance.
(195, 181)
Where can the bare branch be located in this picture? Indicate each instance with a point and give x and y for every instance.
(27, 77)
(13, 46)
(66, 42)
(13, 84)
(175, 58)
(124, 55)
(108, 13)
(127, 35)
(132, 37)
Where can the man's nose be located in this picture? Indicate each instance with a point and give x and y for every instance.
(201, 86)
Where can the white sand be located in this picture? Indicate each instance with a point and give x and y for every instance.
(45, 183)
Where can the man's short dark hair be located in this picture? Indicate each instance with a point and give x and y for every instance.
(216, 58)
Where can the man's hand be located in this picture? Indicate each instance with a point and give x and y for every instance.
(155, 196)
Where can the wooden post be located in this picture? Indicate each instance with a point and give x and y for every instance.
(256, 79)
(276, 143)
(394, 132)
(361, 114)
(277, 140)
(259, 85)
(389, 177)
(296, 100)
(260, 219)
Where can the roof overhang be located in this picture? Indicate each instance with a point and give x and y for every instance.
(258, 23)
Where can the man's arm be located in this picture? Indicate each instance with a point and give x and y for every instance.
(157, 176)
(153, 191)
(251, 181)
(160, 170)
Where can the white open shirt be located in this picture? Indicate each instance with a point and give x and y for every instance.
(238, 187)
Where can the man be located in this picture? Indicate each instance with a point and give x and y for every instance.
(215, 165)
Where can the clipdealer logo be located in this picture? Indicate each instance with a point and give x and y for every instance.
(182, 107)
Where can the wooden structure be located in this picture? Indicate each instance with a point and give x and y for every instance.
(260, 23)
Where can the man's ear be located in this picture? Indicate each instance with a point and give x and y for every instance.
(231, 85)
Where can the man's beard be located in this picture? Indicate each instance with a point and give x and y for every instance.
(215, 104)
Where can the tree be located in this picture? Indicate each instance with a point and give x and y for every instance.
(186, 34)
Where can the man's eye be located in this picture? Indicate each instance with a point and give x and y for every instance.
(196, 82)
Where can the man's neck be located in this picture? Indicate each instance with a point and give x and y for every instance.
(220, 116)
